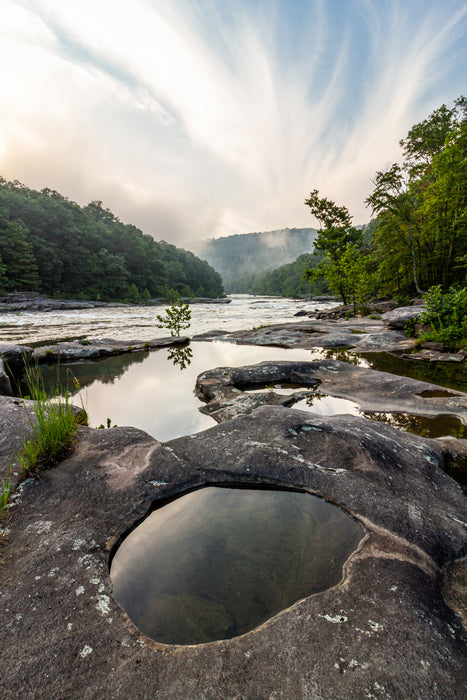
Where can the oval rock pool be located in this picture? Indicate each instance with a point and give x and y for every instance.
(217, 562)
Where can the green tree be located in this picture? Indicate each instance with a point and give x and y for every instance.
(420, 240)
(177, 317)
(18, 257)
(337, 241)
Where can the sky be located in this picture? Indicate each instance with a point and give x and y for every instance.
(202, 118)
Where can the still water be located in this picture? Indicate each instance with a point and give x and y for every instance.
(148, 390)
(217, 562)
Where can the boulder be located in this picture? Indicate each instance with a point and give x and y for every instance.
(384, 631)
(400, 316)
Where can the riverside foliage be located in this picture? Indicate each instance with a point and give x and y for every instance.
(50, 244)
(418, 240)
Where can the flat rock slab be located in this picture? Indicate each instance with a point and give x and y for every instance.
(360, 334)
(385, 631)
(436, 356)
(92, 349)
(373, 391)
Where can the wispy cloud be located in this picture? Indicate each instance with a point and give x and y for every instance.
(194, 118)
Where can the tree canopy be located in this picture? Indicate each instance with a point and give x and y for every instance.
(51, 244)
(418, 239)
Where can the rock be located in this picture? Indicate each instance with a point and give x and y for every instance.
(13, 359)
(363, 334)
(400, 316)
(435, 356)
(16, 418)
(5, 384)
(373, 391)
(92, 349)
(33, 301)
(385, 630)
(15, 356)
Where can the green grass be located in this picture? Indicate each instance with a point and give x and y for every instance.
(5, 495)
(54, 425)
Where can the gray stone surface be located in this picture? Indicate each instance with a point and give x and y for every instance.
(373, 391)
(399, 317)
(89, 350)
(361, 334)
(5, 384)
(384, 631)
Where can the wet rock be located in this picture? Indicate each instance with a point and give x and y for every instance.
(15, 356)
(92, 349)
(363, 334)
(436, 356)
(5, 384)
(378, 392)
(63, 634)
(400, 316)
(13, 359)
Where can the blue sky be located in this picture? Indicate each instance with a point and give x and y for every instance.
(199, 118)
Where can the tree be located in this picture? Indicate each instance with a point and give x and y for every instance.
(177, 317)
(421, 205)
(337, 241)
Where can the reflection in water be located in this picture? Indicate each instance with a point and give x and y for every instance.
(343, 355)
(147, 391)
(440, 426)
(328, 405)
(217, 562)
(180, 356)
(450, 374)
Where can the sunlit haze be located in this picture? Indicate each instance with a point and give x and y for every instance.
(200, 118)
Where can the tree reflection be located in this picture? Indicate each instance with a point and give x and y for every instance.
(180, 356)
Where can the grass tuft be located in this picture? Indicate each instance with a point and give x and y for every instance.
(5, 495)
(54, 424)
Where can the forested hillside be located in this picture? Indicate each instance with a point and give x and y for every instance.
(286, 280)
(240, 258)
(50, 244)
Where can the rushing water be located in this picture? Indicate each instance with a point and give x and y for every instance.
(217, 562)
(139, 322)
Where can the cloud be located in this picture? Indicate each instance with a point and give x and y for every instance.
(194, 118)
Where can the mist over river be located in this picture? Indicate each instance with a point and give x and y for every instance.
(139, 322)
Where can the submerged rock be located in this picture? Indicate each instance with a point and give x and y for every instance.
(385, 630)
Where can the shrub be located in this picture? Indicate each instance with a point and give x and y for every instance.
(177, 317)
(446, 313)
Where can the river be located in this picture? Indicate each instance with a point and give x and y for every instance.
(140, 323)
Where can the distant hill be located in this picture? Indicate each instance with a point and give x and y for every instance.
(238, 258)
